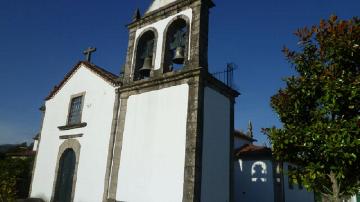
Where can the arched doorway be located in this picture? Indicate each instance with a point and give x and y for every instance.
(65, 176)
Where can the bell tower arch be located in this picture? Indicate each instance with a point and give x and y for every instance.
(145, 54)
(176, 45)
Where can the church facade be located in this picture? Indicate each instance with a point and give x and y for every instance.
(162, 131)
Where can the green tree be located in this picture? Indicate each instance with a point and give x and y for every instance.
(320, 107)
(7, 182)
(15, 176)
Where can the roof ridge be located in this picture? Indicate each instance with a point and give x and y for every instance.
(252, 149)
(101, 69)
(105, 74)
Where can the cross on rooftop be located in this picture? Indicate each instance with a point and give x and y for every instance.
(88, 53)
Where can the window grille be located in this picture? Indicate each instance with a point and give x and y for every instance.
(75, 110)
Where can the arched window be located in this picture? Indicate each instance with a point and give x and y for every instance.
(144, 55)
(65, 175)
(176, 45)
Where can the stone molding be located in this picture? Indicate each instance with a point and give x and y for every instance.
(169, 77)
(114, 125)
(64, 137)
(194, 141)
(75, 146)
(73, 126)
(77, 125)
(129, 56)
(114, 169)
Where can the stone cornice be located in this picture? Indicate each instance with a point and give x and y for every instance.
(169, 77)
(173, 78)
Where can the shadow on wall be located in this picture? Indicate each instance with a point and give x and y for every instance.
(253, 181)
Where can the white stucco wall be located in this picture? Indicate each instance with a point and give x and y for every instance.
(296, 194)
(353, 199)
(97, 113)
(35, 146)
(251, 183)
(160, 27)
(216, 148)
(252, 186)
(153, 151)
(158, 4)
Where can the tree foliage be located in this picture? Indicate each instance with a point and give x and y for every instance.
(15, 176)
(320, 107)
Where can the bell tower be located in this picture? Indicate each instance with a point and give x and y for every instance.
(173, 121)
(172, 34)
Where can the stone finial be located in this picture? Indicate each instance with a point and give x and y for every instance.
(137, 15)
(250, 130)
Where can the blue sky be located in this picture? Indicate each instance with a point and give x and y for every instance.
(40, 41)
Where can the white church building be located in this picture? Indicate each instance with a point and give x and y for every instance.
(162, 132)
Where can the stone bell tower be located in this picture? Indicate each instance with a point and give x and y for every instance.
(173, 126)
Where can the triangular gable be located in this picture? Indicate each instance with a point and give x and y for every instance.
(156, 4)
(159, 4)
(104, 74)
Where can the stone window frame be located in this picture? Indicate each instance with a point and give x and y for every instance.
(72, 97)
(75, 146)
(81, 124)
(165, 33)
(156, 36)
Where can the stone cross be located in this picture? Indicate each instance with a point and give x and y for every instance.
(88, 53)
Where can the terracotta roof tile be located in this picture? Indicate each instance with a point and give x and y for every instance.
(248, 149)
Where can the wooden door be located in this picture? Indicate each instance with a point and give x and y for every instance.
(65, 176)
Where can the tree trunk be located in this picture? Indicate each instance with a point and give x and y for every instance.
(335, 188)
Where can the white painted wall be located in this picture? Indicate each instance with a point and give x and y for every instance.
(296, 194)
(251, 186)
(35, 146)
(352, 199)
(160, 27)
(153, 151)
(97, 113)
(216, 148)
(158, 4)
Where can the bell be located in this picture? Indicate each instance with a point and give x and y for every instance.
(179, 55)
(146, 68)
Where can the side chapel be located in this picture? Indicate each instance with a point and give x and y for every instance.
(160, 132)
